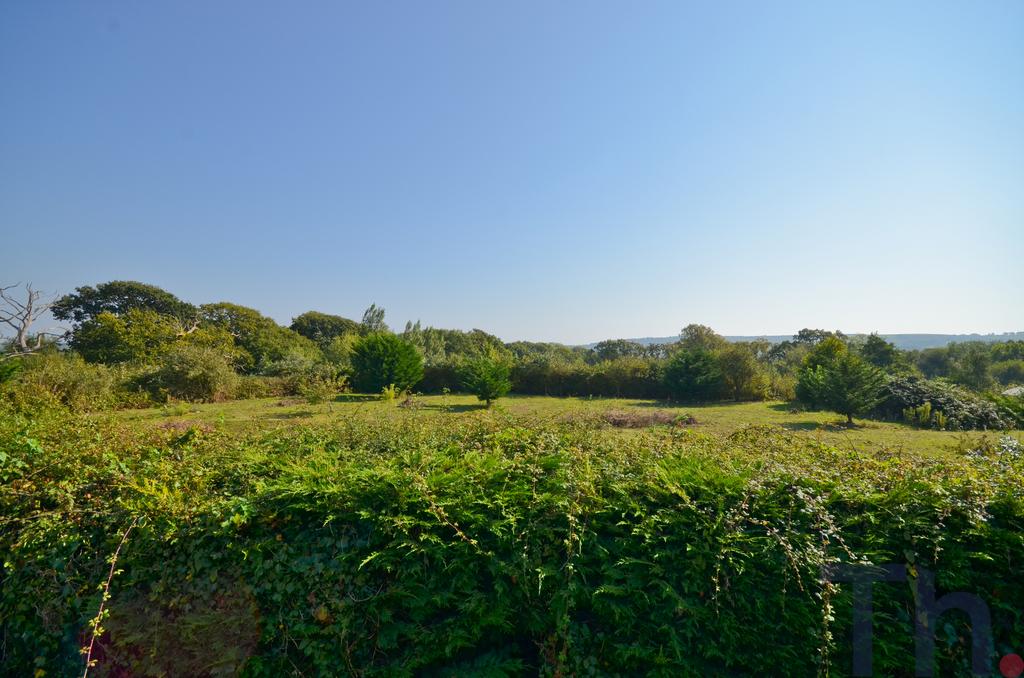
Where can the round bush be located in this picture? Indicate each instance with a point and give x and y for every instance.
(196, 373)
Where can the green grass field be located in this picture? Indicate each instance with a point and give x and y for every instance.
(719, 419)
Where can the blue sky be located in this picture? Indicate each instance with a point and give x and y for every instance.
(550, 171)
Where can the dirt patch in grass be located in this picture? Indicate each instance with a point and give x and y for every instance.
(633, 419)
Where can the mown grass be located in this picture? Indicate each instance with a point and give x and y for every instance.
(719, 419)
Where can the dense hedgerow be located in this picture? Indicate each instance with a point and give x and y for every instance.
(484, 545)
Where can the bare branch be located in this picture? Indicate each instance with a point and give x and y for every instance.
(20, 316)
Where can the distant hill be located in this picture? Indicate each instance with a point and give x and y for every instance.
(903, 341)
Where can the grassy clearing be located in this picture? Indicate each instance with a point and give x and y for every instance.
(720, 419)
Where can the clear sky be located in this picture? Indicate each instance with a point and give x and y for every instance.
(566, 171)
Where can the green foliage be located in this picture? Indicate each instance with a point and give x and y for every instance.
(924, 417)
(695, 337)
(486, 545)
(971, 367)
(879, 352)
(323, 328)
(138, 336)
(118, 298)
(373, 320)
(1008, 372)
(811, 386)
(850, 386)
(619, 378)
(61, 379)
(811, 337)
(614, 349)
(379, 360)
(261, 340)
(195, 373)
(440, 347)
(322, 389)
(488, 378)
(962, 409)
(742, 375)
(975, 365)
(9, 368)
(694, 374)
(825, 352)
(1011, 409)
(339, 351)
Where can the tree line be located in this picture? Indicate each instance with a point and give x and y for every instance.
(156, 346)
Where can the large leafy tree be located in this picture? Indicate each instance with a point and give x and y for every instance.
(488, 378)
(262, 340)
(813, 337)
(612, 349)
(440, 346)
(381, 359)
(323, 328)
(118, 297)
(740, 370)
(826, 352)
(694, 375)
(972, 365)
(879, 352)
(142, 336)
(701, 337)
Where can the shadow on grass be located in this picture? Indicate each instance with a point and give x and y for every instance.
(301, 414)
(356, 398)
(806, 426)
(829, 426)
(453, 408)
(687, 404)
(787, 408)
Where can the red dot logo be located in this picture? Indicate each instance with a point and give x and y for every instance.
(1011, 665)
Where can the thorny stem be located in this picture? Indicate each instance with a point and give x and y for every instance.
(103, 601)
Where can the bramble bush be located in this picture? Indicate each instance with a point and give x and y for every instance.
(484, 544)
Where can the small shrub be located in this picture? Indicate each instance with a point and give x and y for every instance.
(486, 378)
(321, 390)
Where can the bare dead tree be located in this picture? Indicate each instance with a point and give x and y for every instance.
(20, 316)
